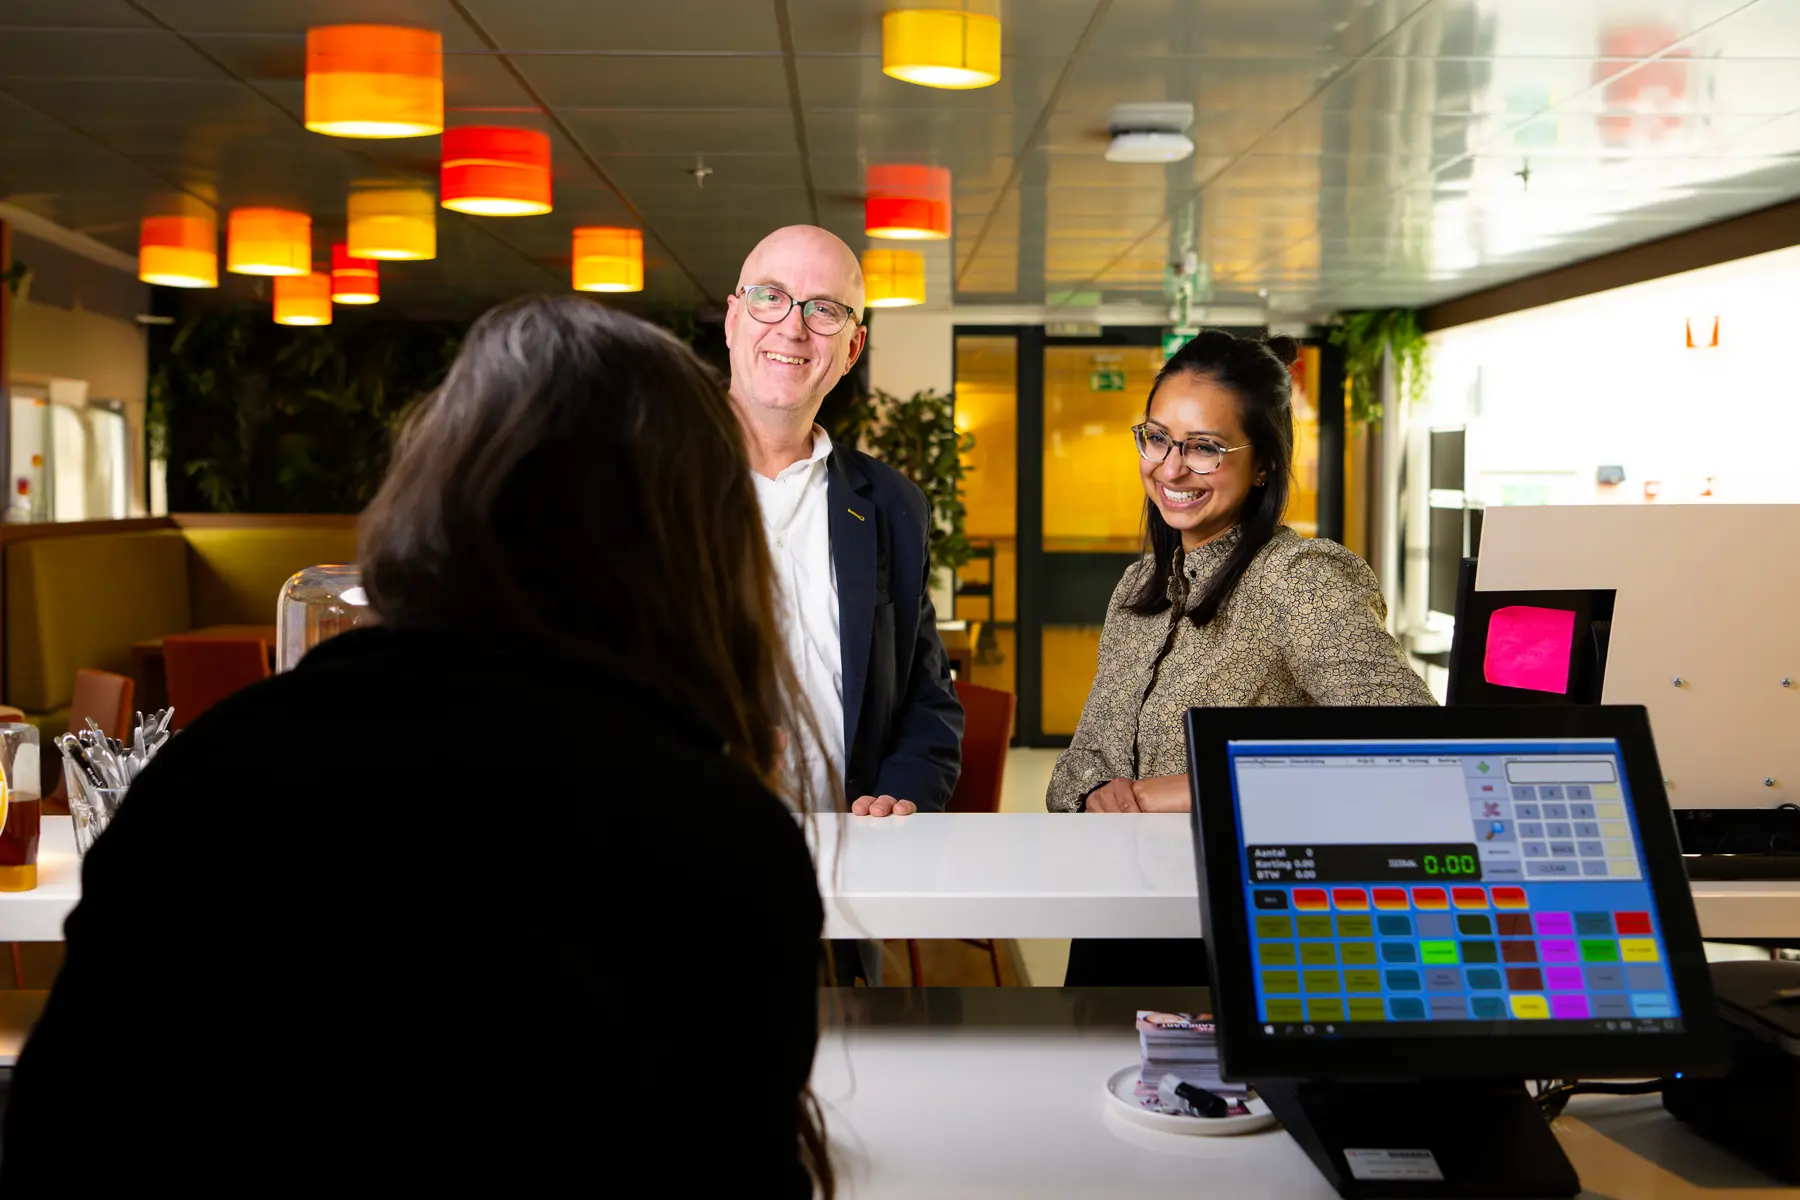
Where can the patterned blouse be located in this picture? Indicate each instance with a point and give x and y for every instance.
(1305, 625)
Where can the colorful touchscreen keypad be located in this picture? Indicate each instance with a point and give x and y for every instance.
(1353, 933)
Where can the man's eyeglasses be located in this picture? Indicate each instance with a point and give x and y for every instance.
(1199, 455)
(771, 305)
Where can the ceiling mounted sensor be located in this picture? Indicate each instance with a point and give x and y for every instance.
(1150, 133)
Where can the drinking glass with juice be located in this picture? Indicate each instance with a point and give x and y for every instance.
(19, 807)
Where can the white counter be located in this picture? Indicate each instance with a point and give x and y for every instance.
(924, 1114)
(1005, 875)
(1062, 875)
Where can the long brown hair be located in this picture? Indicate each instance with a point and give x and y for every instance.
(580, 482)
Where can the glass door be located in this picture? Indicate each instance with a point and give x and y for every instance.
(987, 407)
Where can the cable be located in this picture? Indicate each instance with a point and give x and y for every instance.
(1553, 1095)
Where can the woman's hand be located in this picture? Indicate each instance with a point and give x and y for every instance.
(1115, 797)
(1165, 793)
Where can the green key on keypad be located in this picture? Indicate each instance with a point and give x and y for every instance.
(1322, 981)
(1362, 981)
(1600, 951)
(1324, 1010)
(1352, 926)
(1315, 927)
(1358, 953)
(1438, 954)
(1276, 954)
(1274, 927)
(1284, 1010)
(1281, 981)
(1318, 954)
(1367, 1010)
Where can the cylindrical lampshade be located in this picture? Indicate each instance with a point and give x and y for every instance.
(353, 280)
(909, 202)
(393, 223)
(179, 252)
(303, 299)
(941, 47)
(496, 172)
(893, 278)
(268, 241)
(374, 81)
(608, 260)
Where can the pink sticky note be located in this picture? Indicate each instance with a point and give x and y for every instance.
(1529, 647)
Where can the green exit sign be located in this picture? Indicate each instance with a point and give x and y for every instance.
(1109, 379)
(1173, 341)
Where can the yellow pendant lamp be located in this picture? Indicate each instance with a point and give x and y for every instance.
(268, 241)
(393, 223)
(941, 47)
(605, 259)
(179, 252)
(303, 299)
(893, 278)
(374, 81)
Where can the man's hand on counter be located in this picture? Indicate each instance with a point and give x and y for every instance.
(883, 806)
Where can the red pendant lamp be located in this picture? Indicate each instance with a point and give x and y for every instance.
(494, 172)
(353, 280)
(908, 202)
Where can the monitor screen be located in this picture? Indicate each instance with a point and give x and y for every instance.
(1441, 887)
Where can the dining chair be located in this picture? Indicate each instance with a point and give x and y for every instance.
(987, 732)
(204, 670)
(106, 698)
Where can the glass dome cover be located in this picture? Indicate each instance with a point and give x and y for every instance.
(318, 603)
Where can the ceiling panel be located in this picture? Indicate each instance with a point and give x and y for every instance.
(1347, 152)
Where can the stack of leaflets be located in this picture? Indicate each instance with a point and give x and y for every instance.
(1185, 1045)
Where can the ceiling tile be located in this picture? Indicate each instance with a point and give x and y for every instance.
(656, 82)
(575, 26)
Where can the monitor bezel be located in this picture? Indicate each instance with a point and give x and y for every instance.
(1513, 1051)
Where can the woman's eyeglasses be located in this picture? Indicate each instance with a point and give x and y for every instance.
(771, 305)
(1199, 455)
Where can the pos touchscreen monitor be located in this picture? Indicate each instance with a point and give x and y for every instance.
(1452, 900)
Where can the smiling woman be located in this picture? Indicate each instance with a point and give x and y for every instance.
(1226, 607)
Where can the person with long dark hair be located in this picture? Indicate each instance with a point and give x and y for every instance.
(414, 912)
(1227, 606)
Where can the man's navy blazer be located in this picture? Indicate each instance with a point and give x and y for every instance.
(902, 722)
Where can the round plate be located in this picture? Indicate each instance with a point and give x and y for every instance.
(1121, 1096)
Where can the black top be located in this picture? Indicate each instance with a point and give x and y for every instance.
(336, 934)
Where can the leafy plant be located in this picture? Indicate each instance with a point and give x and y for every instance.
(17, 278)
(1366, 337)
(257, 417)
(917, 437)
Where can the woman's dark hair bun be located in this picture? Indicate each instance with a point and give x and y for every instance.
(1284, 348)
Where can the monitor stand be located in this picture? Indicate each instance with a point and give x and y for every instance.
(1442, 1137)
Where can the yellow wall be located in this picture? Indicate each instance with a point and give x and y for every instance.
(1093, 492)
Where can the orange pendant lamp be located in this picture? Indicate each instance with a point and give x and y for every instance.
(493, 172)
(353, 280)
(908, 202)
(392, 223)
(374, 81)
(179, 252)
(608, 260)
(941, 47)
(268, 241)
(303, 299)
(893, 278)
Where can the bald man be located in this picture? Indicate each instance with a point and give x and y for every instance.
(849, 534)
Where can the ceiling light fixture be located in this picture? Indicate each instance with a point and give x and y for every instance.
(941, 47)
(494, 172)
(393, 223)
(374, 81)
(908, 202)
(179, 252)
(353, 280)
(893, 278)
(303, 299)
(606, 259)
(1150, 133)
(268, 241)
